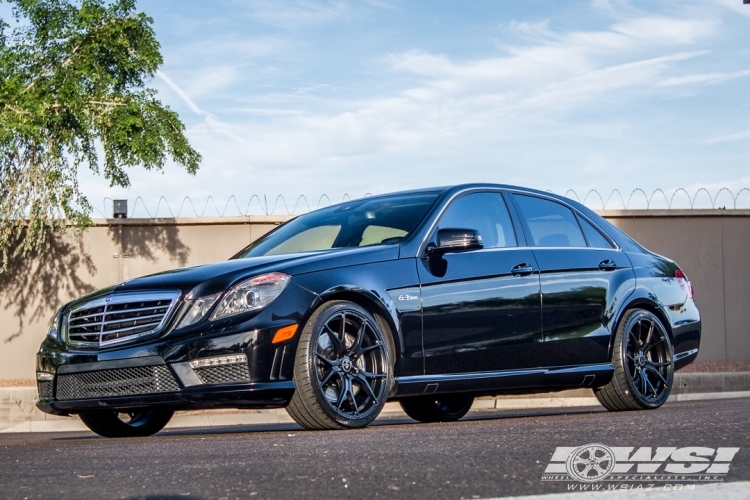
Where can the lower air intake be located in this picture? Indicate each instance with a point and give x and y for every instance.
(45, 389)
(223, 374)
(117, 382)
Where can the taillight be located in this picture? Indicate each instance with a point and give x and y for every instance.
(684, 283)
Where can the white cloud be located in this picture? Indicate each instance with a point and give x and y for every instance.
(290, 111)
(180, 93)
(295, 13)
(739, 136)
(702, 78)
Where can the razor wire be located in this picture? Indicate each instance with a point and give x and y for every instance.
(263, 205)
(658, 194)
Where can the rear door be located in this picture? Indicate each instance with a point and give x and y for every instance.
(481, 308)
(583, 276)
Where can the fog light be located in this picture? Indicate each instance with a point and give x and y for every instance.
(229, 359)
(45, 376)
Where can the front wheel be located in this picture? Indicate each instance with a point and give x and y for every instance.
(114, 424)
(644, 364)
(342, 372)
(437, 408)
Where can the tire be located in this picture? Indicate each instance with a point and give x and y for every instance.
(112, 424)
(343, 369)
(643, 360)
(448, 408)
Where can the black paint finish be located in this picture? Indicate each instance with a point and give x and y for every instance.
(524, 317)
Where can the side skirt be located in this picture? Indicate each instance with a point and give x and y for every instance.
(506, 382)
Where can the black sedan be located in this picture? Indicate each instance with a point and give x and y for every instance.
(430, 297)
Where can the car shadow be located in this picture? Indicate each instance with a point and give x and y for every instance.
(383, 421)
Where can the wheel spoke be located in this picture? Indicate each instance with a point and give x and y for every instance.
(331, 373)
(654, 370)
(342, 335)
(643, 381)
(654, 345)
(344, 391)
(335, 341)
(647, 343)
(366, 387)
(353, 401)
(369, 348)
(635, 338)
(659, 365)
(653, 389)
(640, 332)
(327, 361)
(354, 350)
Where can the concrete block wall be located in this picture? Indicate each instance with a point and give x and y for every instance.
(710, 245)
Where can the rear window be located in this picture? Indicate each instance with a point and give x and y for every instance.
(551, 224)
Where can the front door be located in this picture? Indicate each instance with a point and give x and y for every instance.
(481, 308)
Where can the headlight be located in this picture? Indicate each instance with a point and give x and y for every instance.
(197, 310)
(54, 326)
(251, 295)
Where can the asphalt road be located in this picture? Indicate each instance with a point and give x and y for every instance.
(486, 455)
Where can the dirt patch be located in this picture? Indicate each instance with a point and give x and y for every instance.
(18, 382)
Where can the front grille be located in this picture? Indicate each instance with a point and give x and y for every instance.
(223, 374)
(116, 382)
(119, 318)
(45, 389)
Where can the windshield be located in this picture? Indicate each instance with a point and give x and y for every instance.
(371, 221)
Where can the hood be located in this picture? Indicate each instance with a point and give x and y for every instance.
(213, 278)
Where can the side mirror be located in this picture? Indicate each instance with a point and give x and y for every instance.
(456, 240)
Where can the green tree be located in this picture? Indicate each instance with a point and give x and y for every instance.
(73, 80)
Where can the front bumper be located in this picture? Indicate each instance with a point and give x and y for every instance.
(158, 374)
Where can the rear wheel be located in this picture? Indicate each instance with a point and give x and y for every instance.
(643, 362)
(114, 424)
(437, 408)
(342, 371)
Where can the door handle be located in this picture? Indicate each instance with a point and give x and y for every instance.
(607, 265)
(522, 270)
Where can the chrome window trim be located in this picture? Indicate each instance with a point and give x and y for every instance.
(122, 298)
(423, 244)
(430, 231)
(576, 212)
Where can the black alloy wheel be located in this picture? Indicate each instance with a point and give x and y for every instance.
(343, 369)
(445, 408)
(114, 424)
(644, 364)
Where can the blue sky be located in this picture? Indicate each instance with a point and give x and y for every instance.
(354, 97)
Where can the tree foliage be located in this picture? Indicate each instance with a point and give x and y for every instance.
(73, 80)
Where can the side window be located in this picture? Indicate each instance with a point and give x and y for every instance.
(485, 212)
(551, 224)
(594, 237)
